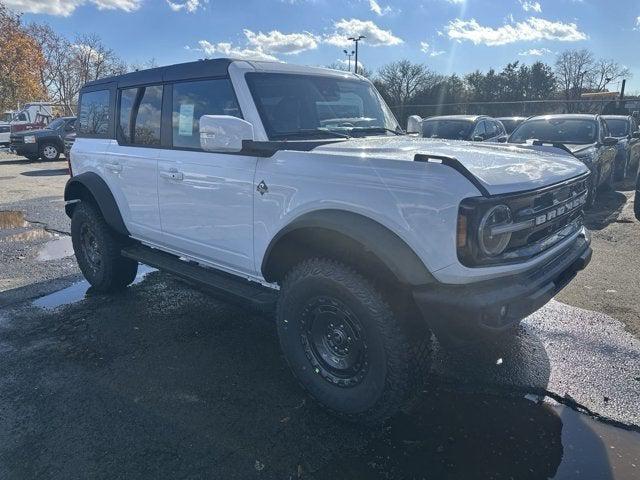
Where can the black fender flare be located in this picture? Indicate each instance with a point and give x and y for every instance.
(90, 186)
(387, 246)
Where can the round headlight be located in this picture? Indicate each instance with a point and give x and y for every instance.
(493, 243)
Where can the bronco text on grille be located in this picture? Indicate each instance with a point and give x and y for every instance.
(512, 228)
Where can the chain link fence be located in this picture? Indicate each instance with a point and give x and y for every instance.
(519, 108)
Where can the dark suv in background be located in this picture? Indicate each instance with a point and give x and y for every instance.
(477, 128)
(586, 136)
(46, 143)
(625, 129)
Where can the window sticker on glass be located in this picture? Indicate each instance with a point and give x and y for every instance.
(185, 125)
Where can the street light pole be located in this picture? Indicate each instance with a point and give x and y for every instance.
(357, 40)
(349, 55)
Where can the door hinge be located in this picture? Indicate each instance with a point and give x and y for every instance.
(262, 188)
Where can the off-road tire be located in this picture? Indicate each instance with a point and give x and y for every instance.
(46, 148)
(97, 248)
(396, 361)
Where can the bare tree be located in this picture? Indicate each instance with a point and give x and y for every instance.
(606, 71)
(70, 64)
(572, 66)
(401, 81)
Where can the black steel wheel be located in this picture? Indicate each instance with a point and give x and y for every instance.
(334, 341)
(97, 250)
(345, 344)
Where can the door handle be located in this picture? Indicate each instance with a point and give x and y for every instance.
(114, 167)
(172, 174)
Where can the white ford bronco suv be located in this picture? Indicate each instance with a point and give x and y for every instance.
(293, 189)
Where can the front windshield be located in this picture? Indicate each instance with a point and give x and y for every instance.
(6, 117)
(56, 124)
(306, 106)
(449, 129)
(618, 127)
(510, 124)
(557, 130)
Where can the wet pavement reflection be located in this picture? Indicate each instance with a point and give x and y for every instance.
(454, 435)
(163, 381)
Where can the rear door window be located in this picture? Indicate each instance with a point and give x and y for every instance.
(192, 100)
(140, 115)
(93, 113)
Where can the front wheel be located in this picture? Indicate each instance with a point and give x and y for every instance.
(344, 343)
(97, 250)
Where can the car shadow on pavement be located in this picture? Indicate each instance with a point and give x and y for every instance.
(162, 381)
(46, 173)
(607, 210)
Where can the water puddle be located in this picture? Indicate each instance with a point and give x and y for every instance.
(27, 236)
(79, 291)
(460, 435)
(56, 249)
(10, 219)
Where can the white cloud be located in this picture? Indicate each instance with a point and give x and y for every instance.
(637, 23)
(190, 6)
(437, 53)
(64, 8)
(227, 49)
(377, 9)
(424, 47)
(528, 30)
(535, 52)
(376, 36)
(529, 6)
(457, 2)
(278, 42)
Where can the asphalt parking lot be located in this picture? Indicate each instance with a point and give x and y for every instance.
(163, 381)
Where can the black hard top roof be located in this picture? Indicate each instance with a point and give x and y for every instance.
(181, 71)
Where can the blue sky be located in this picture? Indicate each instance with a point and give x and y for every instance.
(448, 35)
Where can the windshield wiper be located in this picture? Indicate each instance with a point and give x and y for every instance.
(368, 130)
(311, 132)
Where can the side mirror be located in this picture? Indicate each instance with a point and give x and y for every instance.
(414, 124)
(478, 138)
(502, 140)
(610, 141)
(636, 134)
(223, 133)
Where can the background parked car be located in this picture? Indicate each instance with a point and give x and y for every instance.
(511, 123)
(476, 128)
(625, 129)
(46, 143)
(586, 136)
(5, 127)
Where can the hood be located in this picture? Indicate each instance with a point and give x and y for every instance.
(500, 168)
(577, 148)
(40, 131)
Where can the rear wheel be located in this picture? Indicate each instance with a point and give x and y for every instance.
(49, 152)
(97, 250)
(344, 343)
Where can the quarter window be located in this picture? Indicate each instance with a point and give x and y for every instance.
(192, 100)
(93, 115)
(140, 115)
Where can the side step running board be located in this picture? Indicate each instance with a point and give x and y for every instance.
(219, 284)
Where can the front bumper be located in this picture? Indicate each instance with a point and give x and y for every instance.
(460, 314)
(24, 149)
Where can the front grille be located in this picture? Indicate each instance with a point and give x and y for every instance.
(546, 217)
(16, 140)
(5, 129)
